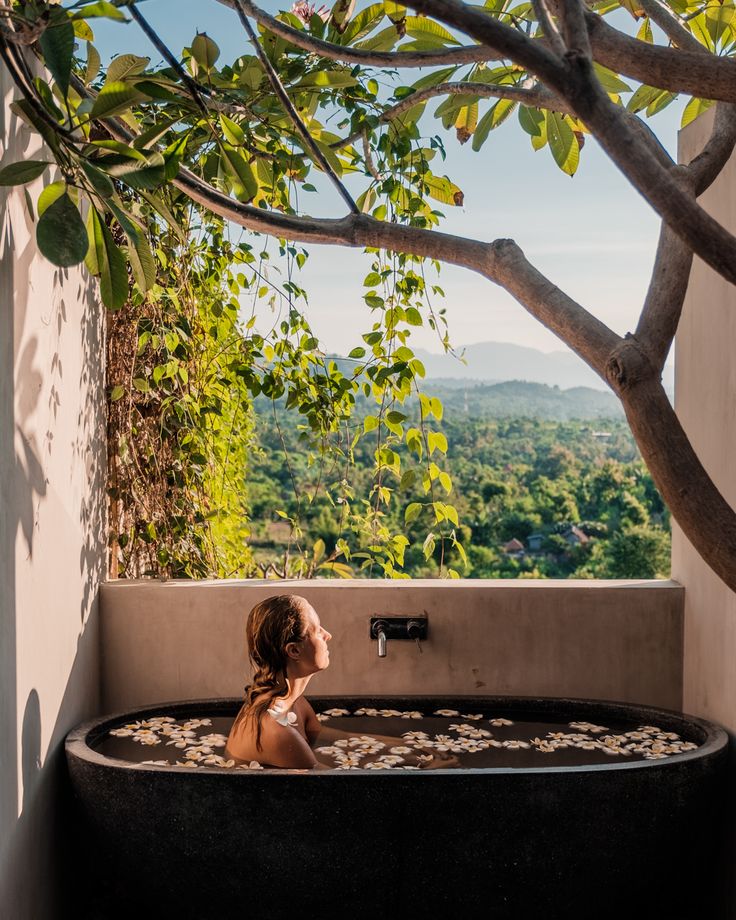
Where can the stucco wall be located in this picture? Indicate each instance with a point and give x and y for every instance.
(52, 460)
(705, 400)
(608, 640)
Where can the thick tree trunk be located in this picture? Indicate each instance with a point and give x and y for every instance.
(704, 515)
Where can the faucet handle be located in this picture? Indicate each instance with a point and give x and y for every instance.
(417, 630)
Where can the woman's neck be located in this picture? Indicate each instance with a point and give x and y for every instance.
(295, 687)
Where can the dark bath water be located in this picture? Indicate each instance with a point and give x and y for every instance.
(476, 739)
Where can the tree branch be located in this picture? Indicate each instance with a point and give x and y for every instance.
(681, 37)
(501, 261)
(684, 484)
(506, 41)
(535, 95)
(468, 54)
(707, 165)
(660, 315)
(576, 82)
(167, 55)
(291, 111)
(549, 28)
(13, 58)
(705, 76)
(575, 31)
(664, 192)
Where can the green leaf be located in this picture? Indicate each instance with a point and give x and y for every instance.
(421, 26)
(157, 202)
(60, 233)
(643, 97)
(341, 13)
(148, 173)
(126, 65)
(114, 98)
(358, 352)
(661, 102)
(451, 514)
(83, 30)
(117, 393)
(139, 252)
(436, 441)
(99, 181)
(412, 512)
(234, 134)
(442, 189)
(318, 550)
(370, 422)
(466, 121)
(155, 132)
(563, 143)
(23, 172)
(109, 262)
(93, 64)
(142, 262)
(205, 51)
(532, 121)
(100, 9)
(326, 78)
(57, 45)
(25, 111)
(694, 108)
(49, 195)
(497, 114)
(645, 32)
(610, 81)
(362, 24)
(242, 177)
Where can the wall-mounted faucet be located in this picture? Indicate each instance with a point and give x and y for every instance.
(388, 627)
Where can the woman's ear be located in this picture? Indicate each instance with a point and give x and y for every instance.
(292, 650)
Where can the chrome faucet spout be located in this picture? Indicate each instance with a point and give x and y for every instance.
(379, 630)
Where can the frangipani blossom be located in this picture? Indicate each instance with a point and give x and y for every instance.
(304, 11)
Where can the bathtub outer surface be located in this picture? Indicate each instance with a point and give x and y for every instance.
(616, 840)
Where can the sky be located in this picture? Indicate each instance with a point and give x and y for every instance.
(591, 234)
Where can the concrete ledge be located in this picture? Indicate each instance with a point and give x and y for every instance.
(619, 640)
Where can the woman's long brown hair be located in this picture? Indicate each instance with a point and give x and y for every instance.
(272, 625)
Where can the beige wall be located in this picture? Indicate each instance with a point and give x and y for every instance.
(51, 535)
(612, 640)
(705, 399)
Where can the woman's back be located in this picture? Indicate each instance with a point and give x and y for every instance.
(284, 735)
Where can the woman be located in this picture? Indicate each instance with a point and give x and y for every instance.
(276, 726)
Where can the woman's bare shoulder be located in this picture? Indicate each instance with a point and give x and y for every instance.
(303, 706)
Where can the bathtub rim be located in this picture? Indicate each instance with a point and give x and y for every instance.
(716, 738)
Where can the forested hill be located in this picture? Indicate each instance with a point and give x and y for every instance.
(518, 398)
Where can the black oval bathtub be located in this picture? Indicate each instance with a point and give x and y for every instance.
(623, 839)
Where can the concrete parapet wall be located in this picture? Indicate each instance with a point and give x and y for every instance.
(596, 639)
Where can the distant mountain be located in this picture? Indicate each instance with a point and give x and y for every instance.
(493, 362)
(519, 398)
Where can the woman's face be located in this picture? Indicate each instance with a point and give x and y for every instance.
(313, 652)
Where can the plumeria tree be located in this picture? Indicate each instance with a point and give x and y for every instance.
(240, 140)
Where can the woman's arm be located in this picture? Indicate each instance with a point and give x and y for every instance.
(284, 746)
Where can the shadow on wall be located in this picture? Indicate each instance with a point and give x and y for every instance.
(51, 365)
